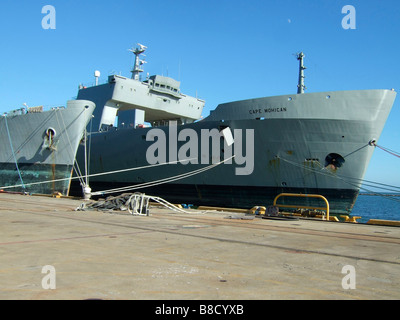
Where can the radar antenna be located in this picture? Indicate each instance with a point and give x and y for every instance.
(301, 87)
(138, 62)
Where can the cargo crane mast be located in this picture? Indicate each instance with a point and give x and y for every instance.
(301, 87)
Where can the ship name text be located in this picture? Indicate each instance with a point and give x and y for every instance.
(267, 110)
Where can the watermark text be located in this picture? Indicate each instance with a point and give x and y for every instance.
(49, 280)
(49, 20)
(349, 20)
(202, 147)
(349, 280)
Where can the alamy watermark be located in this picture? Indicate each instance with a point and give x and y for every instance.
(49, 20)
(188, 152)
(349, 20)
(349, 280)
(49, 280)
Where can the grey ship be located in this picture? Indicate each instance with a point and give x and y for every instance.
(243, 154)
(38, 148)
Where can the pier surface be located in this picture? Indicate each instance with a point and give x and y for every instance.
(202, 255)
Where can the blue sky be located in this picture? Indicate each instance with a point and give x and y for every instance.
(222, 50)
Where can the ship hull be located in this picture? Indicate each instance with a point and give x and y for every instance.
(58, 176)
(39, 148)
(294, 141)
(341, 201)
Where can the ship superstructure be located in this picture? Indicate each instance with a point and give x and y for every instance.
(130, 102)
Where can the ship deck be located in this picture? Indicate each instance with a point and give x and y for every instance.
(198, 256)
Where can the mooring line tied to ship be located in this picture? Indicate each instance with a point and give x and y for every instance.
(13, 153)
(80, 176)
(355, 181)
(392, 152)
(161, 181)
(134, 203)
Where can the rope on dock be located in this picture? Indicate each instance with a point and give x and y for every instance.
(134, 203)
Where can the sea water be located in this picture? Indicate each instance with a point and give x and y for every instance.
(376, 207)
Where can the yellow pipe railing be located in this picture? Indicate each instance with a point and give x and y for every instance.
(303, 207)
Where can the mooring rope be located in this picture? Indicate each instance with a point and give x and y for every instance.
(98, 174)
(160, 181)
(355, 183)
(13, 153)
(75, 165)
(132, 202)
(392, 152)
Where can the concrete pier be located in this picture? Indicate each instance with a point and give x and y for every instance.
(200, 255)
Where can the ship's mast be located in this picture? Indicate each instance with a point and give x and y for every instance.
(301, 87)
(137, 52)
